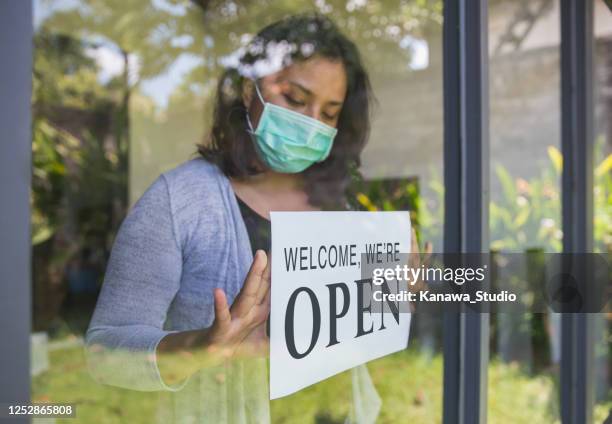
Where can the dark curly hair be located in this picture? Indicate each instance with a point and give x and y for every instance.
(308, 35)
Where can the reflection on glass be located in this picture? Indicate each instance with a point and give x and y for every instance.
(125, 91)
(525, 204)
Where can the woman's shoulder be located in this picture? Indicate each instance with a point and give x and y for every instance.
(195, 178)
(190, 199)
(196, 186)
(195, 171)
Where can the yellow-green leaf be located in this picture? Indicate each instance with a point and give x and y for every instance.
(604, 167)
(521, 218)
(365, 201)
(556, 158)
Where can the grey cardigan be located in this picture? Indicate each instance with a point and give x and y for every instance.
(184, 237)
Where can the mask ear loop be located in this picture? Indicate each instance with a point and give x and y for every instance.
(251, 129)
(263, 102)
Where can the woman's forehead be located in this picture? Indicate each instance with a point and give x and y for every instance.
(320, 77)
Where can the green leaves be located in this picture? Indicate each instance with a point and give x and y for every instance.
(556, 158)
(529, 213)
(508, 184)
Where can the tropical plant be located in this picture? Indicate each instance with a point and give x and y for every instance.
(78, 193)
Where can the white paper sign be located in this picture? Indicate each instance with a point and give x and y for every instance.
(318, 326)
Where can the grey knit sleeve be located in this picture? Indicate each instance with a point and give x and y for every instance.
(142, 277)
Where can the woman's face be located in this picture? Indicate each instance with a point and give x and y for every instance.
(315, 88)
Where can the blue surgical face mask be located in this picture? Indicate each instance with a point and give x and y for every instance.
(288, 141)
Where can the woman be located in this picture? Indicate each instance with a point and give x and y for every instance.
(291, 119)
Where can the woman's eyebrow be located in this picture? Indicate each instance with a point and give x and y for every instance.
(310, 93)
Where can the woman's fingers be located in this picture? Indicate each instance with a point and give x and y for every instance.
(250, 304)
(265, 306)
(264, 287)
(260, 312)
(248, 295)
(414, 248)
(428, 253)
(222, 312)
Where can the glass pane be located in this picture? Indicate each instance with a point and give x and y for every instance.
(125, 91)
(525, 205)
(402, 169)
(602, 198)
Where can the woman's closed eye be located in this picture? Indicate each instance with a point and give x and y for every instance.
(296, 102)
(293, 101)
(329, 117)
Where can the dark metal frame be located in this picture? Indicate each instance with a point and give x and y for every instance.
(466, 217)
(466, 173)
(577, 341)
(15, 152)
(466, 184)
(452, 200)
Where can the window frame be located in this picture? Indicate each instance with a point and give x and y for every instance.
(16, 31)
(577, 129)
(466, 202)
(466, 170)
